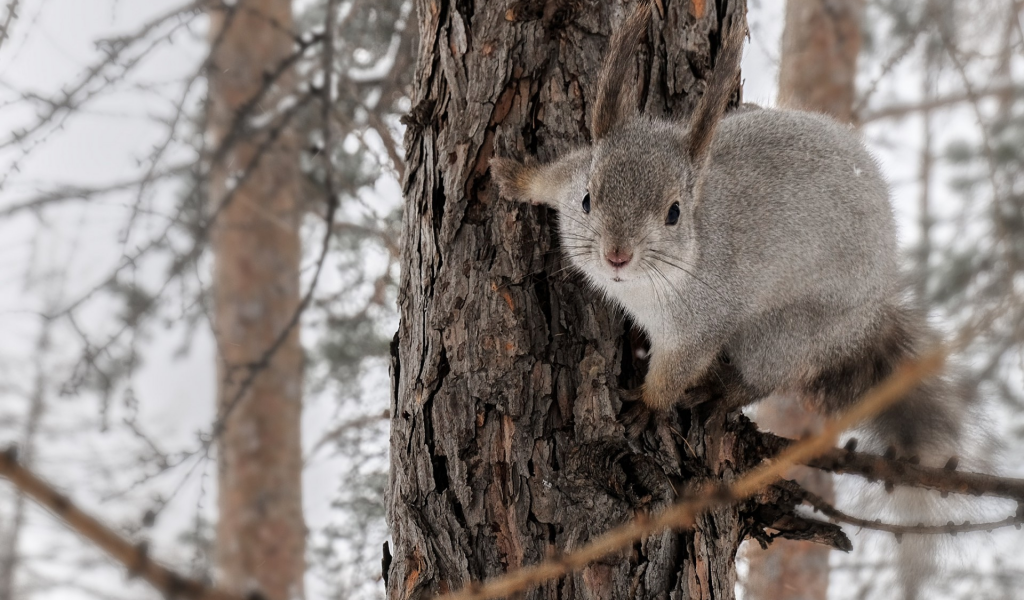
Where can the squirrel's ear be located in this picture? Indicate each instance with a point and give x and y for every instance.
(720, 88)
(616, 100)
(538, 184)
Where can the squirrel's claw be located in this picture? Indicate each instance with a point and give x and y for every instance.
(637, 416)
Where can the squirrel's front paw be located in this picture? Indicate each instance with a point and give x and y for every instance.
(657, 392)
(658, 395)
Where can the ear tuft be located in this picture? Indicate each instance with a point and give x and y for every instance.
(513, 179)
(721, 86)
(615, 100)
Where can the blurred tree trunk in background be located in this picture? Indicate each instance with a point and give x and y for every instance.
(817, 72)
(506, 445)
(820, 44)
(260, 533)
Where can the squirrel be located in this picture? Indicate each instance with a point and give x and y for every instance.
(757, 250)
(763, 238)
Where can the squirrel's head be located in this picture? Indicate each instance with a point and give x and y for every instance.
(626, 203)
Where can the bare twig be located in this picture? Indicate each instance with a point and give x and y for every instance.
(906, 473)
(67, 193)
(133, 556)
(378, 125)
(339, 430)
(896, 111)
(5, 28)
(887, 67)
(9, 554)
(950, 528)
(115, 49)
(200, 235)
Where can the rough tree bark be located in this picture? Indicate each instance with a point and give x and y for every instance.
(817, 72)
(506, 445)
(260, 533)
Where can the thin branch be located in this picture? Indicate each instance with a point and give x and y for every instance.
(339, 430)
(896, 111)
(9, 553)
(65, 193)
(378, 125)
(235, 132)
(12, 13)
(133, 556)
(887, 67)
(906, 473)
(114, 49)
(199, 235)
(949, 528)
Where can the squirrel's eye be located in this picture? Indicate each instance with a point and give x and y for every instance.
(673, 214)
(586, 203)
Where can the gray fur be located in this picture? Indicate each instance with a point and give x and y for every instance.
(784, 258)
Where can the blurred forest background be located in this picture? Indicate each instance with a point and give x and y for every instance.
(200, 205)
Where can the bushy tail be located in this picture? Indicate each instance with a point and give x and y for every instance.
(928, 422)
(928, 425)
(932, 425)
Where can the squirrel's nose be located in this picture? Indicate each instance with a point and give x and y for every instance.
(618, 258)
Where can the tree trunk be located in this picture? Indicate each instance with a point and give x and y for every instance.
(818, 69)
(506, 445)
(820, 44)
(260, 533)
(790, 569)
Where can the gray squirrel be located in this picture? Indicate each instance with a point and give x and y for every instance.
(765, 236)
